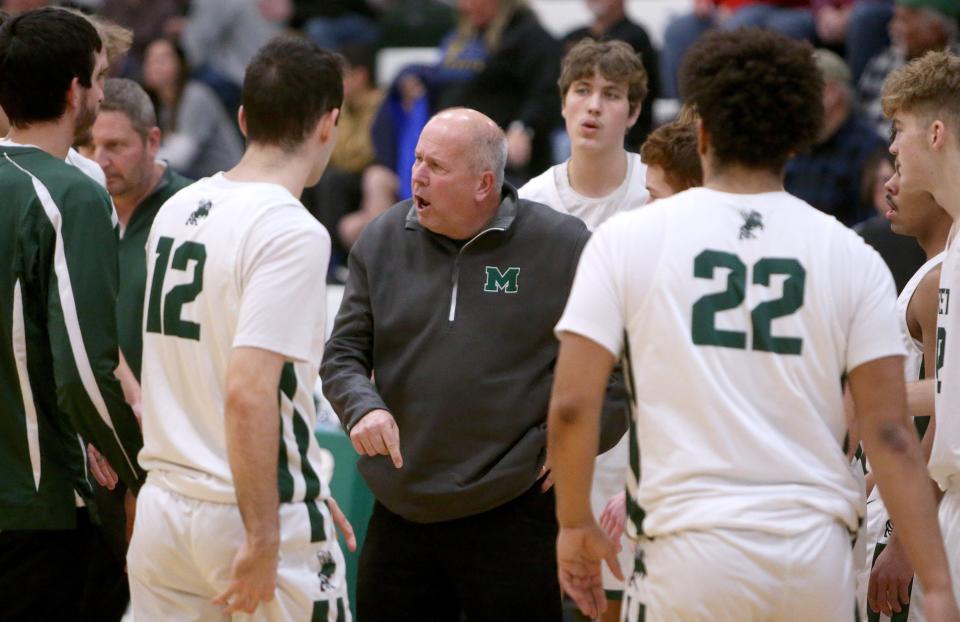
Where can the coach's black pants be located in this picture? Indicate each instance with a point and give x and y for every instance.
(496, 566)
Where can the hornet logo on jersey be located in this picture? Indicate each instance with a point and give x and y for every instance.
(752, 221)
(202, 211)
(328, 567)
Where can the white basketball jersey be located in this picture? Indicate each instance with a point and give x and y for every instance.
(945, 456)
(741, 313)
(230, 264)
(913, 364)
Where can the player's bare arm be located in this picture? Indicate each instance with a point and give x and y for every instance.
(573, 433)
(895, 455)
(253, 440)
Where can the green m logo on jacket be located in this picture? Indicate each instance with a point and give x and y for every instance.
(498, 281)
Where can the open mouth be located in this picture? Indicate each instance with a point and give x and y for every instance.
(420, 202)
(590, 125)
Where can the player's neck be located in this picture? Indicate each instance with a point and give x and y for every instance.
(947, 192)
(269, 164)
(737, 179)
(55, 137)
(597, 174)
(934, 240)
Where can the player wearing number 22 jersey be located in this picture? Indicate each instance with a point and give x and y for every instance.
(770, 302)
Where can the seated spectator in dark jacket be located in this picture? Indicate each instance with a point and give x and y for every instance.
(829, 176)
(147, 20)
(334, 24)
(917, 27)
(200, 139)
(790, 17)
(500, 61)
(859, 26)
(611, 22)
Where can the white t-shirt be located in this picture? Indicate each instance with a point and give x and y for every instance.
(234, 264)
(945, 456)
(552, 188)
(741, 314)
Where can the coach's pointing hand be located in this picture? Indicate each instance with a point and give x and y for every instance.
(377, 434)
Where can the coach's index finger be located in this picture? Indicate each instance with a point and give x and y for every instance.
(391, 436)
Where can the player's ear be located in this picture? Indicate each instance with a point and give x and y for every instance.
(937, 135)
(73, 95)
(153, 140)
(327, 122)
(242, 120)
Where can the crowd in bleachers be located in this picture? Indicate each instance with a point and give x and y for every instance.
(498, 57)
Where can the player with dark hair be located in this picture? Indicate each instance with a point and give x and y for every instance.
(234, 516)
(739, 492)
(58, 289)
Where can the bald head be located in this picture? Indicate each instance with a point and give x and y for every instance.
(482, 141)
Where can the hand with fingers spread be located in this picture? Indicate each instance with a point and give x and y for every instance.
(253, 577)
(890, 579)
(580, 551)
(342, 523)
(614, 516)
(101, 469)
(377, 434)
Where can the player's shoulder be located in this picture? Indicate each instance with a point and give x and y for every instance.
(542, 188)
(87, 166)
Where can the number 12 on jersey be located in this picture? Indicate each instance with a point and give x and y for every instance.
(171, 323)
(704, 329)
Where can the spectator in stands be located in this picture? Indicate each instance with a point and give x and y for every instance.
(15, 7)
(199, 137)
(220, 38)
(148, 22)
(793, 18)
(901, 253)
(673, 164)
(859, 26)
(334, 24)
(828, 177)
(611, 22)
(500, 61)
(917, 27)
(338, 200)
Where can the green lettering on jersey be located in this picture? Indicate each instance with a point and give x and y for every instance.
(498, 281)
(179, 295)
(703, 327)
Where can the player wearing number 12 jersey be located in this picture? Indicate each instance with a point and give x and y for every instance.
(232, 518)
(739, 492)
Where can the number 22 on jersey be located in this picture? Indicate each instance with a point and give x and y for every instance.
(170, 322)
(704, 330)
